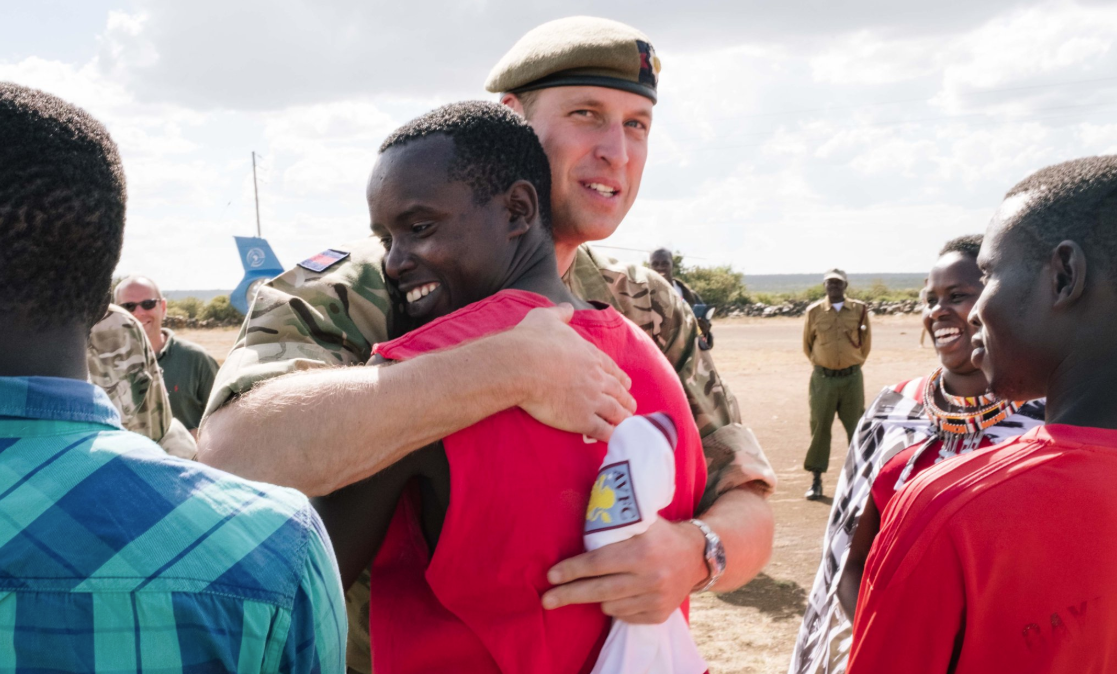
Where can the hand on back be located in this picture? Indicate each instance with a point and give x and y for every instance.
(569, 384)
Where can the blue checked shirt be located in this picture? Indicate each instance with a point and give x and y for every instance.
(115, 557)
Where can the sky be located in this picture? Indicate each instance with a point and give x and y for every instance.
(789, 138)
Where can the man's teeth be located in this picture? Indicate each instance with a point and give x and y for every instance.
(416, 294)
(603, 190)
(947, 334)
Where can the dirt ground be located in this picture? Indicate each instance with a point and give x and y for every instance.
(753, 629)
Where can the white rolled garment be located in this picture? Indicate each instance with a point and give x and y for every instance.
(636, 481)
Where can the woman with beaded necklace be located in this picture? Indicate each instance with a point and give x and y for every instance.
(908, 428)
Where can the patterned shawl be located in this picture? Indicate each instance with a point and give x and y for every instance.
(894, 422)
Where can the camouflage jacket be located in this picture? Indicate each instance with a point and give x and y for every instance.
(122, 362)
(733, 455)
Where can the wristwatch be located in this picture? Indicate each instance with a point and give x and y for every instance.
(715, 556)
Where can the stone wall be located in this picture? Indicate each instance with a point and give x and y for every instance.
(799, 307)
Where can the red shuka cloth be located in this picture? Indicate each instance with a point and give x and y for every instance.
(518, 500)
(1001, 560)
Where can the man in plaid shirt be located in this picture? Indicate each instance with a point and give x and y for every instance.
(115, 556)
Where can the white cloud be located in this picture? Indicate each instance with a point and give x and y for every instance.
(865, 58)
(1099, 138)
(784, 140)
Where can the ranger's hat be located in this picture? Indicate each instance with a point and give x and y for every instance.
(836, 273)
(579, 51)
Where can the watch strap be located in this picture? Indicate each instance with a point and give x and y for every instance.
(714, 555)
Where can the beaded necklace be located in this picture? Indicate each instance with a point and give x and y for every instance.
(959, 430)
(965, 401)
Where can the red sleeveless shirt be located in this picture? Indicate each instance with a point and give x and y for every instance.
(518, 497)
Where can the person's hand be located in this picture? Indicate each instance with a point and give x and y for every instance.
(640, 580)
(569, 384)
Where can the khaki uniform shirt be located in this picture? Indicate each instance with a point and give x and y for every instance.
(836, 340)
(122, 362)
(303, 319)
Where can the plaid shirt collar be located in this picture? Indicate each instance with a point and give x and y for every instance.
(56, 399)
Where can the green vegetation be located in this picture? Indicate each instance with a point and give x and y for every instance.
(187, 307)
(218, 309)
(719, 286)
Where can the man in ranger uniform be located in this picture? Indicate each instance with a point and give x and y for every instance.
(587, 87)
(836, 339)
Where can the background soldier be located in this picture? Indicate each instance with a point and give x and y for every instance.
(663, 261)
(187, 369)
(122, 362)
(836, 339)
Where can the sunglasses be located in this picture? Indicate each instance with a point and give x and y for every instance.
(148, 305)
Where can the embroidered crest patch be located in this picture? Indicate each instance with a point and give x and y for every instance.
(612, 500)
(649, 64)
(324, 260)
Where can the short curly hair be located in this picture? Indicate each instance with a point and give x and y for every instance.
(1075, 200)
(62, 199)
(493, 148)
(968, 245)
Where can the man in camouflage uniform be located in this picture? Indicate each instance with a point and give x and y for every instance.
(306, 430)
(662, 261)
(122, 362)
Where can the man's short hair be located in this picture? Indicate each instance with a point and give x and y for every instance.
(968, 245)
(528, 101)
(62, 202)
(663, 251)
(1075, 200)
(493, 148)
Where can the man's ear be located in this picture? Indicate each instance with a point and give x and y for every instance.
(513, 101)
(523, 208)
(1068, 273)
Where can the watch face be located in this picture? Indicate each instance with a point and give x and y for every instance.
(720, 555)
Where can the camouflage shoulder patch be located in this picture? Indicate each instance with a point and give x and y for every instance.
(612, 500)
(324, 260)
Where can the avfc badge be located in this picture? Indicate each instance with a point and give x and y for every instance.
(324, 260)
(649, 64)
(612, 500)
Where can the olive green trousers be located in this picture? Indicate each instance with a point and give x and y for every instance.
(842, 395)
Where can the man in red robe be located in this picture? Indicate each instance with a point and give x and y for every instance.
(1003, 560)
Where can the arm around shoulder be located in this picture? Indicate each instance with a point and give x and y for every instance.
(324, 429)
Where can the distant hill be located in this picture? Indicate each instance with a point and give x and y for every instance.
(203, 295)
(792, 283)
(757, 283)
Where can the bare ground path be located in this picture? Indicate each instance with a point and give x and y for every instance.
(753, 629)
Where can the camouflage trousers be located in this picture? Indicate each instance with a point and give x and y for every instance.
(358, 651)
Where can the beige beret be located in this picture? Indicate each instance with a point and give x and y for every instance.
(579, 51)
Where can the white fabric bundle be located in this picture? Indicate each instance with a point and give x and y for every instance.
(636, 481)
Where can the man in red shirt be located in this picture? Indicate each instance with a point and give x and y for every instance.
(464, 532)
(1006, 560)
